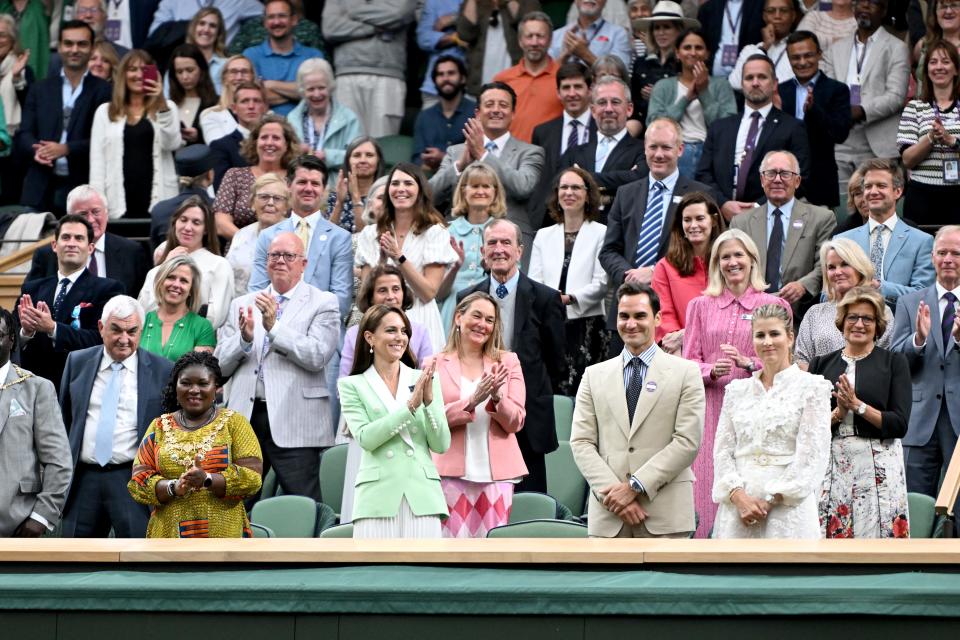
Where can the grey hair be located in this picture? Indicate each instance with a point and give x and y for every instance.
(312, 66)
(122, 307)
(8, 20)
(535, 16)
(605, 62)
(793, 159)
(944, 230)
(83, 192)
(367, 215)
(609, 79)
(497, 222)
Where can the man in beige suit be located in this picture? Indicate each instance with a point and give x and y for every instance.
(635, 443)
(788, 233)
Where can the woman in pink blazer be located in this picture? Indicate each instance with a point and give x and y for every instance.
(484, 396)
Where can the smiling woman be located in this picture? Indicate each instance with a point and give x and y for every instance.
(174, 328)
(718, 337)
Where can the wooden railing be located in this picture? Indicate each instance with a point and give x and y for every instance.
(10, 283)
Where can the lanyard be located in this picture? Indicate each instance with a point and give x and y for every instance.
(599, 24)
(860, 58)
(733, 25)
(311, 135)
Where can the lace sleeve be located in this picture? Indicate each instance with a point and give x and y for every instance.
(726, 476)
(804, 475)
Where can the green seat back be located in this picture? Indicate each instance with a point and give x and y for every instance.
(563, 416)
(564, 481)
(923, 514)
(287, 516)
(333, 464)
(260, 531)
(338, 531)
(539, 529)
(396, 149)
(532, 506)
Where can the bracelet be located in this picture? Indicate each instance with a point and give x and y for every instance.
(733, 491)
(171, 488)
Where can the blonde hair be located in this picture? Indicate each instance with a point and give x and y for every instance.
(863, 295)
(265, 180)
(494, 345)
(497, 209)
(775, 311)
(715, 282)
(851, 253)
(171, 265)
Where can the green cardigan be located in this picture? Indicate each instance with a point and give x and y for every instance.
(390, 469)
(717, 102)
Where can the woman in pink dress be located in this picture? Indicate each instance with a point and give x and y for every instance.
(719, 338)
(681, 275)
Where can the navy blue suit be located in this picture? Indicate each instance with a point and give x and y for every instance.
(828, 122)
(97, 497)
(780, 132)
(712, 15)
(46, 357)
(43, 120)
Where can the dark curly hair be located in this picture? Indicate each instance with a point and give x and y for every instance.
(7, 317)
(203, 359)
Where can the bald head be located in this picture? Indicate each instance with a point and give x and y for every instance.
(285, 261)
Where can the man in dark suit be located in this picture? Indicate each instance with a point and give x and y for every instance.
(113, 256)
(104, 432)
(735, 145)
(249, 105)
(728, 26)
(575, 126)
(533, 327)
(56, 134)
(613, 156)
(647, 205)
(823, 104)
(59, 314)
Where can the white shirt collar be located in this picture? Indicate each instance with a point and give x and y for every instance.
(101, 244)
(617, 137)
(313, 219)
(890, 223)
(72, 277)
(583, 119)
(786, 208)
(669, 182)
(764, 112)
(500, 142)
(289, 294)
(130, 362)
(940, 291)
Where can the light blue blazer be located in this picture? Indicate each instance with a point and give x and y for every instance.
(329, 260)
(930, 367)
(907, 262)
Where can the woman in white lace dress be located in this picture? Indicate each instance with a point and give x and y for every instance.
(773, 441)
(411, 235)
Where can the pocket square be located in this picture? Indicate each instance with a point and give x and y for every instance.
(16, 409)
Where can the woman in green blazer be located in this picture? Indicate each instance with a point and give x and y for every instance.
(397, 416)
(694, 98)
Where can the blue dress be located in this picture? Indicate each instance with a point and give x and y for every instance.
(471, 271)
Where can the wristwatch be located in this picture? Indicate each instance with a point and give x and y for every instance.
(862, 409)
(401, 259)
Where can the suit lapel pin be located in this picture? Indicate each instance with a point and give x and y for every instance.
(651, 386)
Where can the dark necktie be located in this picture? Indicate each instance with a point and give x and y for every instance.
(949, 313)
(633, 389)
(574, 138)
(502, 291)
(64, 285)
(744, 170)
(92, 267)
(774, 251)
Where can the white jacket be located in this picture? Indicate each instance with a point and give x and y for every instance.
(586, 279)
(106, 157)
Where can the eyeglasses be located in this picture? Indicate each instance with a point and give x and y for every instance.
(283, 257)
(783, 174)
(269, 197)
(86, 11)
(948, 6)
(852, 319)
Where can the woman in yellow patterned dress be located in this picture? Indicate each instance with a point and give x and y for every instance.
(196, 463)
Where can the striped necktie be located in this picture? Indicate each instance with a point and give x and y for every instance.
(648, 245)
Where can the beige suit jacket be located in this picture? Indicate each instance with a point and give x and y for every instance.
(657, 448)
(809, 227)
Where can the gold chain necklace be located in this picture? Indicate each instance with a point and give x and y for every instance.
(20, 372)
(183, 452)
